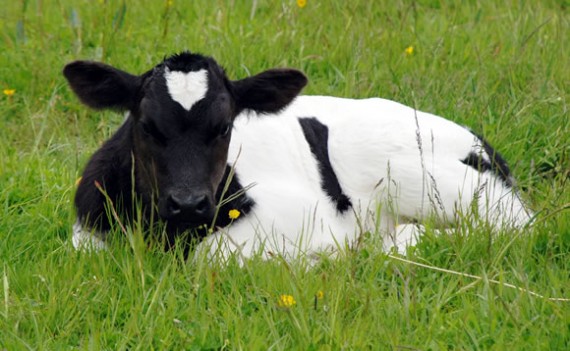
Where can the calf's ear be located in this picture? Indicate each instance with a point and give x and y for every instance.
(101, 86)
(269, 91)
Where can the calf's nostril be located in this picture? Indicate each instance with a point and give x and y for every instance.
(173, 205)
(201, 205)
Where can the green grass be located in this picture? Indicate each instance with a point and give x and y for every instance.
(500, 67)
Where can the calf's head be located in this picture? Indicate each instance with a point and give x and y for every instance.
(182, 112)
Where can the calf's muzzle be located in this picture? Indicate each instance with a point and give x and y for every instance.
(193, 207)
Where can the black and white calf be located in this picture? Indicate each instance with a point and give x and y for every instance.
(311, 172)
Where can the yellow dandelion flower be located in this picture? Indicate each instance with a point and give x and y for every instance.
(409, 50)
(320, 294)
(234, 214)
(9, 92)
(301, 3)
(286, 301)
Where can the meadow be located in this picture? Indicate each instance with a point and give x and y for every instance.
(500, 67)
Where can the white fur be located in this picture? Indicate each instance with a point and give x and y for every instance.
(374, 148)
(187, 88)
(85, 240)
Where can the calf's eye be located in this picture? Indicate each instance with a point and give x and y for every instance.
(149, 130)
(225, 130)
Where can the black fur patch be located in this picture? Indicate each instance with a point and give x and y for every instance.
(477, 161)
(107, 174)
(317, 135)
(187, 62)
(269, 91)
(497, 163)
(241, 202)
(101, 86)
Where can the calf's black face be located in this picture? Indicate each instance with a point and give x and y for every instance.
(181, 137)
(179, 128)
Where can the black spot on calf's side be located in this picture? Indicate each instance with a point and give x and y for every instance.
(477, 161)
(497, 163)
(317, 135)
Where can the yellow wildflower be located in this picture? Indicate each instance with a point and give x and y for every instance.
(234, 214)
(9, 92)
(286, 301)
(301, 3)
(320, 294)
(409, 50)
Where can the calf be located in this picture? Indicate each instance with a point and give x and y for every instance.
(306, 173)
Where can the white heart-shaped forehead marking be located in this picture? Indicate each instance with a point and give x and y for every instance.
(186, 88)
